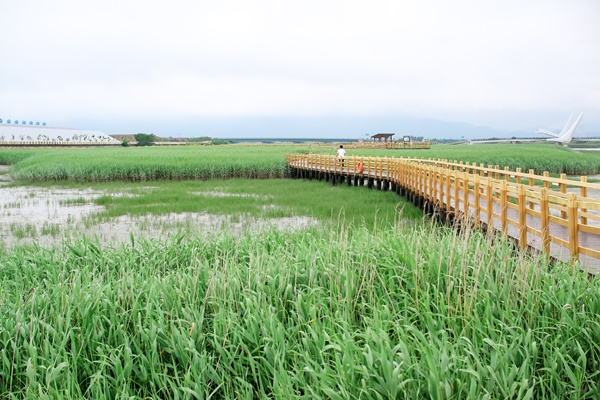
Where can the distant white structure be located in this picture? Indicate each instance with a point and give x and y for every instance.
(23, 133)
(566, 134)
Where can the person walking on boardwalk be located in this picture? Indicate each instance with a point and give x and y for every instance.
(341, 153)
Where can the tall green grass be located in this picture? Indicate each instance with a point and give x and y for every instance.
(152, 163)
(238, 161)
(407, 312)
(540, 157)
(13, 156)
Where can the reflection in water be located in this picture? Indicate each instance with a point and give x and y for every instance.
(47, 215)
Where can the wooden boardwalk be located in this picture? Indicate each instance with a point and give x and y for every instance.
(550, 215)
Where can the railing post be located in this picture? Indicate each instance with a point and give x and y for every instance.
(387, 172)
(440, 193)
(448, 174)
(563, 189)
(420, 181)
(384, 168)
(532, 184)
(545, 220)
(426, 182)
(504, 207)
(489, 203)
(573, 227)
(335, 168)
(456, 186)
(396, 174)
(428, 185)
(465, 177)
(476, 199)
(522, 217)
(415, 178)
(584, 195)
(401, 176)
(434, 185)
(414, 181)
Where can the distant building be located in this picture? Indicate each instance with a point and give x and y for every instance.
(21, 132)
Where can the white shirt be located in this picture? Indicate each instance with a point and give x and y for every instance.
(341, 153)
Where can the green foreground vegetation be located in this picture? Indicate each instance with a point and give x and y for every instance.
(405, 312)
(375, 303)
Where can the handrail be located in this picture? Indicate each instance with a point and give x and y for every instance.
(378, 145)
(550, 214)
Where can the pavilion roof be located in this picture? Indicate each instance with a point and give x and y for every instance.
(382, 135)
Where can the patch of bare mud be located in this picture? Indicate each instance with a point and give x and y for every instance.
(5, 177)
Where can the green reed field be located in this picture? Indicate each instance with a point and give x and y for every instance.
(379, 307)
(240, 161)
(408, 312)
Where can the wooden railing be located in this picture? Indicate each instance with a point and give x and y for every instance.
(388, 145)
(378, 145)
(552, 215)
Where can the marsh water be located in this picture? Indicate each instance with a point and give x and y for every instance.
(48, 216)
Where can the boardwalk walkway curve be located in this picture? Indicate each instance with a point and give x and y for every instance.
(551, 215)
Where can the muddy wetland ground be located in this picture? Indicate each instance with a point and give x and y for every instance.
(49, 215)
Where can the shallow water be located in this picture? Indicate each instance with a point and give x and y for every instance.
(47, 216)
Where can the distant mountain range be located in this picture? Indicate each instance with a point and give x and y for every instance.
(348, 127)
(343, 127)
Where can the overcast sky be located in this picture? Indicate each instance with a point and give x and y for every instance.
(506, 64)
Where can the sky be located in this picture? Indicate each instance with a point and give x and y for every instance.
(308, 68)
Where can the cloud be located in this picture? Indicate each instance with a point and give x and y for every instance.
(453, 60)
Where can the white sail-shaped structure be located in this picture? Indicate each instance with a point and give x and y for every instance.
(566, 134)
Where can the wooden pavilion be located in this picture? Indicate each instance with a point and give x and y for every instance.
(384, 136)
